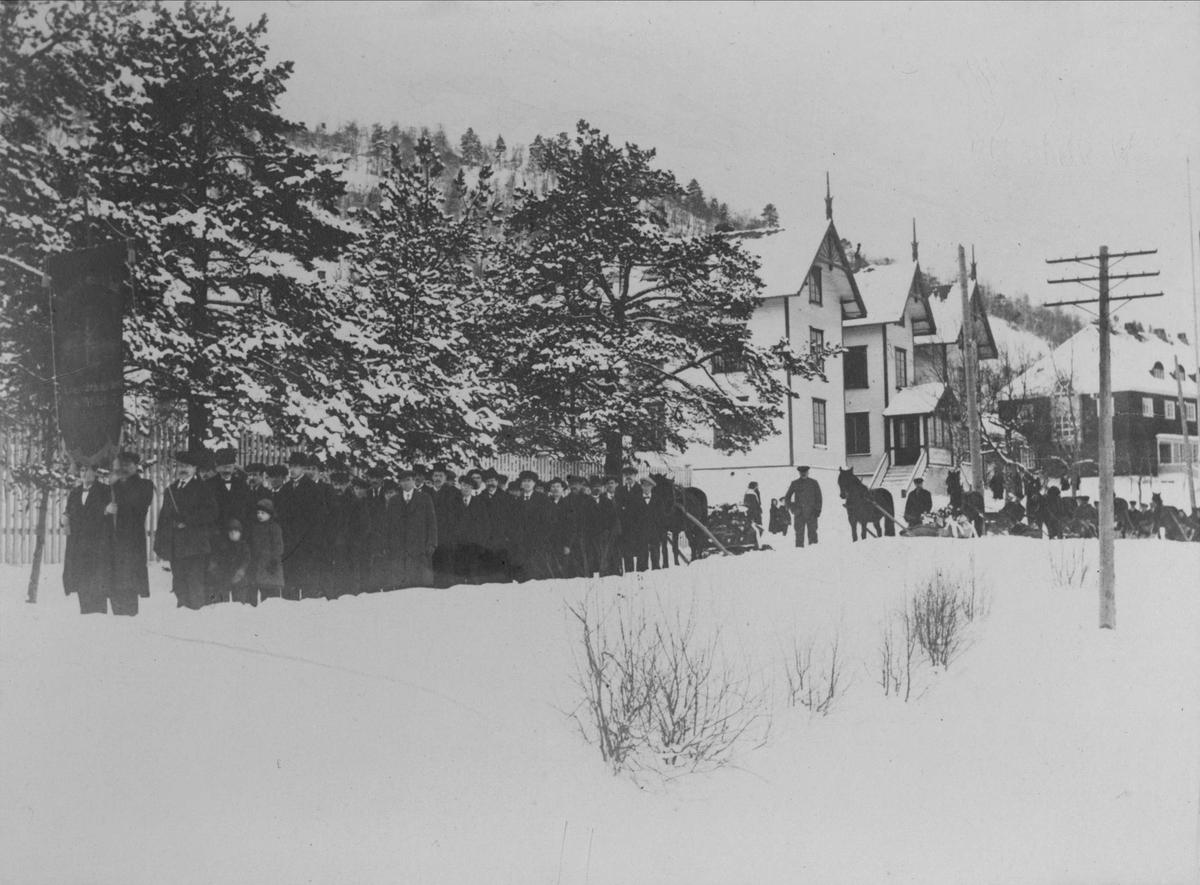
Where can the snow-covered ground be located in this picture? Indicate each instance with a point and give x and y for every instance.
(419, 736)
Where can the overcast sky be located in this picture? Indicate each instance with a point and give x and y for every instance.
(1031, 130)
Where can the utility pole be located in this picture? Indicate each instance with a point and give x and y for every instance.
(970, 367)
(1187, 445)
(1108, 590)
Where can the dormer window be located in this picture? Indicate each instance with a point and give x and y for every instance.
(1157, 371)
(815, 296)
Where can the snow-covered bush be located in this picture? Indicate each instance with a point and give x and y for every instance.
(659, 693)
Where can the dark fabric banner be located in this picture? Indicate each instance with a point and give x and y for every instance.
(87, 297)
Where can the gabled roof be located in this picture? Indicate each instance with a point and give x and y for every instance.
(1077, 361)
(886, 290)
(786, 255)
(946, 307)
(920, 399)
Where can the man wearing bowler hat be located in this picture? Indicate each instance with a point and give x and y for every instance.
(185, 524)
(530, 530)
(804, 500)
(412, 535)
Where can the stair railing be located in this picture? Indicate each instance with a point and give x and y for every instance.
(880, 471)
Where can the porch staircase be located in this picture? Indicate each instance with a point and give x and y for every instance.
(898, 479)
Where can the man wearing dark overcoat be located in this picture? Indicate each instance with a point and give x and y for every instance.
(639, 528)
(607, 527)
(183, 535)
(234, 497)
(87, 565)
(582, 508)
(339, 567)
(803, 498)
(562, 543)
(918, 504)
(378, 574)
(361, 531)
(412, 535)
(132, 495)
(529, 532)
(496, 508)
(445, 499)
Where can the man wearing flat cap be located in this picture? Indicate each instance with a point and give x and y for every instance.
(132, 495)
(185, 523)
(918, 504)
(803, 498)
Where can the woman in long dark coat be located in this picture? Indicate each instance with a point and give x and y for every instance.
(87, 564)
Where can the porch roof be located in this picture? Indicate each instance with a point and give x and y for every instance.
(920, 399)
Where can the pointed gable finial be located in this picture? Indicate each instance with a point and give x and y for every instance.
(973, 262)
(914, 242)
(828, 199)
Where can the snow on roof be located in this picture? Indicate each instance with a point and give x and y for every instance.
(786, 255)
(1134, 359)
(920, 399)
(885, 289)
(946, 306)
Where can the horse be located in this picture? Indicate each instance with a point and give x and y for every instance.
(865, 506)
(676, 503)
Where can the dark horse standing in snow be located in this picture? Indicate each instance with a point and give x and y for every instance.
(674, 501)
(864, 505)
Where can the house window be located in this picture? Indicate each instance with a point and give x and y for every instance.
(1164, 453)
(1157, 371)
(1147, 407)
(816, 342)
(854, 368)
(901, 367)
(815, 296)
(858, 433)
(1191, 411)
(820, 436)
(939, 432)
(727, 365)
(1169, 409)
(1063, 413)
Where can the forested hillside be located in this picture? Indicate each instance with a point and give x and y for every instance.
(366, 150)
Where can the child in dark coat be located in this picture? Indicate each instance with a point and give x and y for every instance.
(229, 563)
(781, 518)
(266, 555)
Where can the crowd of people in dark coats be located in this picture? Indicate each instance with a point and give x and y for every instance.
(309, 529)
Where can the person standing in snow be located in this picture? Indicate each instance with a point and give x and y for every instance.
(87, 563)
(918, 504)
(412, 535)
(803, 498)
(185, 523)
(266, 557)
(530, 519)
(752, 501)
(446, 500)
(780, 518)
(132, 496)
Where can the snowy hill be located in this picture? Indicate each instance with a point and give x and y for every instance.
(424, 736)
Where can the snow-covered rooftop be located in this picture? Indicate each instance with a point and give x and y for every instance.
(1134, 358)
(920, 399)
(946, 307)
(885, 289)
(786, 256)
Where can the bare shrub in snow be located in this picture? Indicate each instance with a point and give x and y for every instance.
(1070, 564)
(897, 651)
(660, 694)
(818, 689)
(975, 598)
(935, 609)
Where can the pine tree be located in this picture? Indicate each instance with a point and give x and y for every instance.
(415, 382)
(695, 197)
(191, 158)
(500, 150)
(608, 325)
(770, 215)
(471, 148)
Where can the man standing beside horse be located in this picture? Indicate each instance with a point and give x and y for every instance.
(804, 500)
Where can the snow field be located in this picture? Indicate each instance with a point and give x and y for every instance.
(421, 735)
